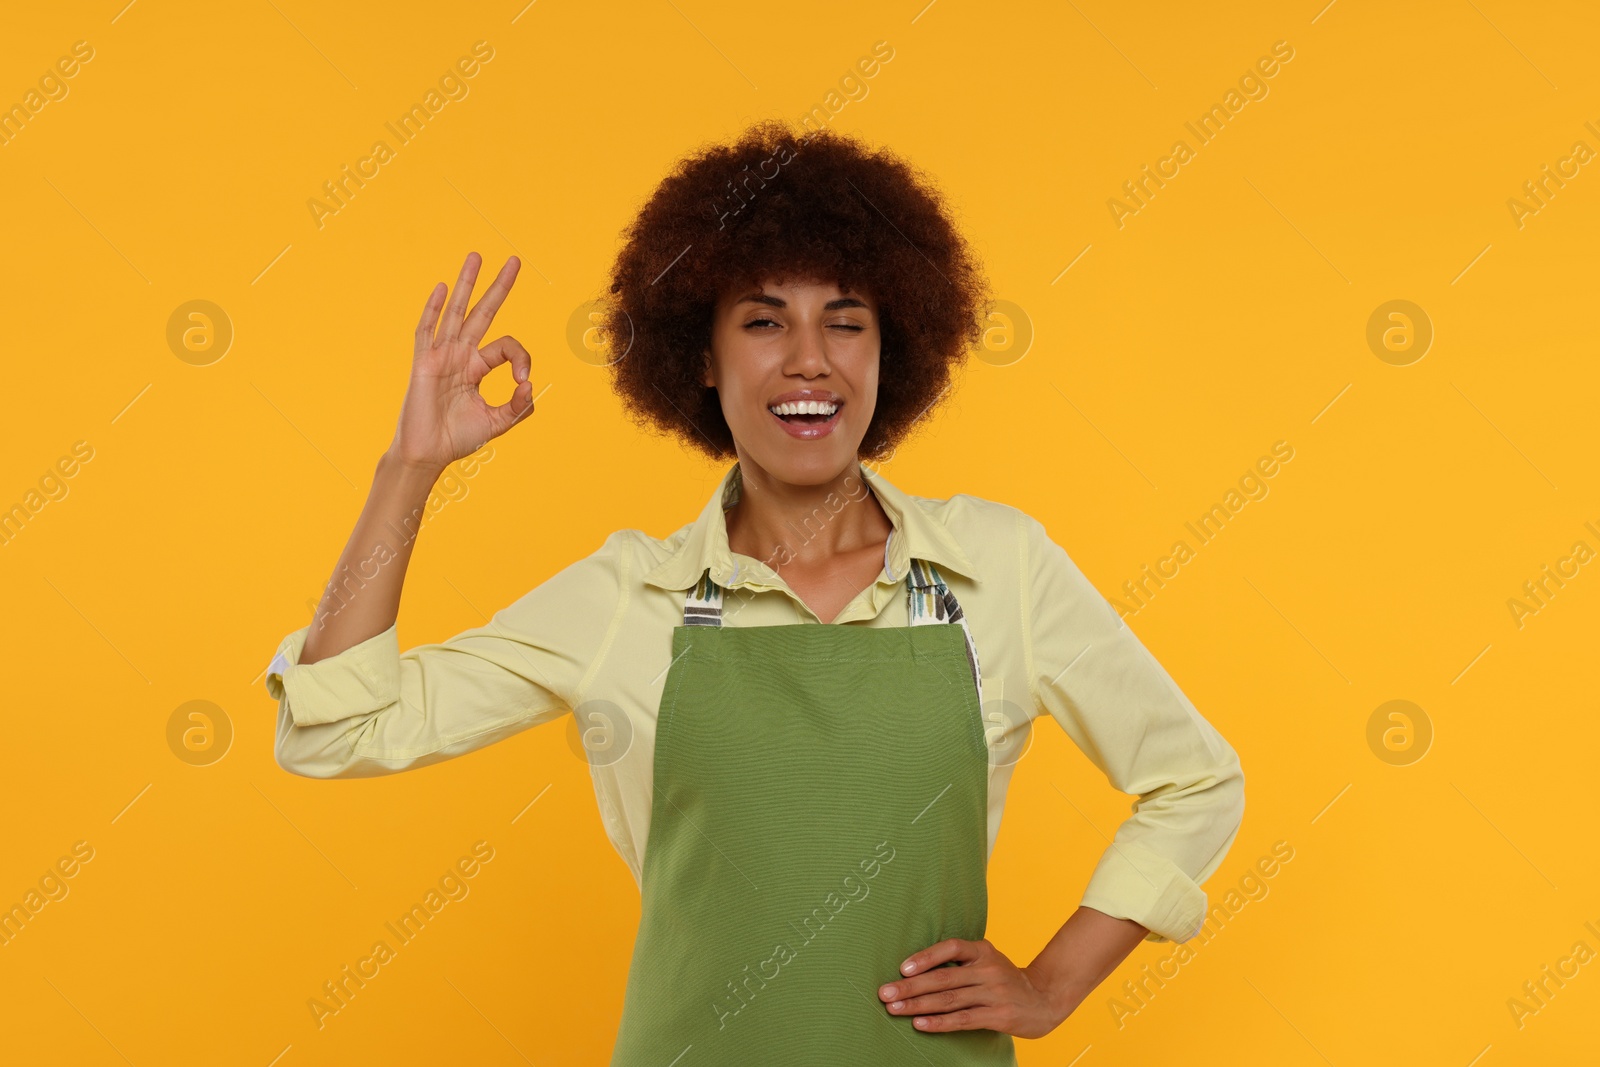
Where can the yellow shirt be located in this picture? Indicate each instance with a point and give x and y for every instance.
(596, 637)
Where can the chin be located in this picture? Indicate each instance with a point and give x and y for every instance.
(803, 463)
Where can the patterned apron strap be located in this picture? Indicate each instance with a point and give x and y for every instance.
(702, 605)
(929, 600)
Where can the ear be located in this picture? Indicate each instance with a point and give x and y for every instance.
(705, 376)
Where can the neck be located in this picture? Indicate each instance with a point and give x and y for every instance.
(782, 523)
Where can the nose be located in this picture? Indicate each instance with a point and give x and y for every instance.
(808, 352)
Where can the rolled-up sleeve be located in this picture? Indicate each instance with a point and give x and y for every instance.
(373, 709)
(1090, 672)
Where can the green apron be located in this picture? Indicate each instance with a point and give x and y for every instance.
(820, 813)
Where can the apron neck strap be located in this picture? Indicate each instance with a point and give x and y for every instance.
(928, 599)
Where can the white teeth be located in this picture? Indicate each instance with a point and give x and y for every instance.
(804, 407)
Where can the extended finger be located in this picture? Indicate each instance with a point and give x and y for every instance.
(951, 948)
(506, 348)
(483, 312)
(456, 310)
(929, 981)
(978, 1018)
(946, 1000)
(430, 313)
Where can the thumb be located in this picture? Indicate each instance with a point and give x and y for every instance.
(504, 416)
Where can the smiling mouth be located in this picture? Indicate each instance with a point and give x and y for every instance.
(806, 412)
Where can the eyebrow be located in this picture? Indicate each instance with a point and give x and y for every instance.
(779, 302)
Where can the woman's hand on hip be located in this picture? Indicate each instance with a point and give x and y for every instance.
(985, 991)
(443, 417)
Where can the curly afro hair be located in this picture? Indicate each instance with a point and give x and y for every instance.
(777, 205)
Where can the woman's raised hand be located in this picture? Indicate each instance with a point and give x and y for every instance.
(443, 417)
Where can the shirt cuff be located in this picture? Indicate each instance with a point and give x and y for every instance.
(1132, 882)
(362, 678)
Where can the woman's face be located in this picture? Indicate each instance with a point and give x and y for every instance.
(796, 341)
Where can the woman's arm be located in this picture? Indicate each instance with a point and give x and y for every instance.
(1122, 709)
(989, 992)
(1124, 712)
(373, 709)
(1087, 948)
(362, 598)
(349, 703)
(442, 419)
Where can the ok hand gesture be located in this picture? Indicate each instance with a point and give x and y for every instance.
(443, 417)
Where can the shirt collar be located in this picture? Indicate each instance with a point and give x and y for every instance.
(915, 535)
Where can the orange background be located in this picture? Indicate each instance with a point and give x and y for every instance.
(1230, 312)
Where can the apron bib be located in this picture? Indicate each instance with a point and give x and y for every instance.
(819, 814)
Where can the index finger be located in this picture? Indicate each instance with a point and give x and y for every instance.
(483, 312)
(430, 312)
(953, 948)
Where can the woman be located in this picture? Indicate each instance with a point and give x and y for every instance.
(803, 708)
